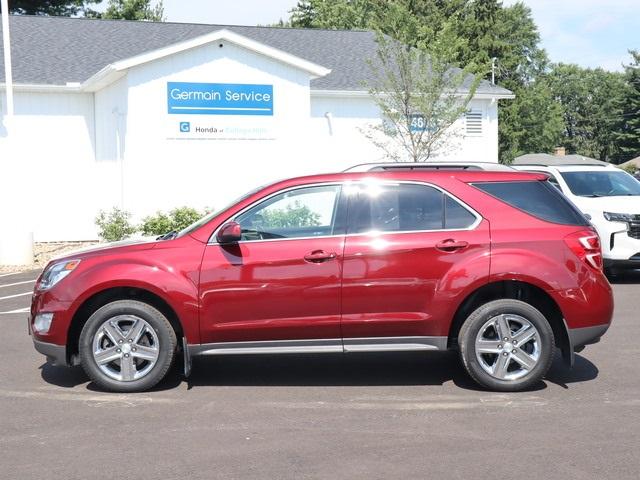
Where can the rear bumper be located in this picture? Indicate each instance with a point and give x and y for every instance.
(56, 354)
(631, 262)
(579, 337)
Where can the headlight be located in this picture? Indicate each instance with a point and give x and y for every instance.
(618, 217)
(56, 272)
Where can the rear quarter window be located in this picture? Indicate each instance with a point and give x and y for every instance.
(539, 199)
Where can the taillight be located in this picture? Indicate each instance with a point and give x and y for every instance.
(586, 245)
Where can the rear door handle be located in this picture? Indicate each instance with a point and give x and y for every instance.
(319, 256)
(451, 245)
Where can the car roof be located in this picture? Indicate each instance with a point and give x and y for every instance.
(567, 168)
(431, 165)
(547, 160)
(465, 176)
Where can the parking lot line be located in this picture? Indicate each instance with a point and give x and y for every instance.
(8, 274)
(19, 310)
(17, 283)
(16, 295)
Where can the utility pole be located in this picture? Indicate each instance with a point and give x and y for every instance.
(493, 70)
(8, 75)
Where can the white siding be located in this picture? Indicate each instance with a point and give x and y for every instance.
(53, 150)
(85, 152)
(161, 173)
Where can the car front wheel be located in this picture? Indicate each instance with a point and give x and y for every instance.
(506, 345)
(127, 346)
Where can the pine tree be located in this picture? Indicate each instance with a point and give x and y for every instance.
(628, 135)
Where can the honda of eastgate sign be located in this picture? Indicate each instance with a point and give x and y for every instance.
(219, 99)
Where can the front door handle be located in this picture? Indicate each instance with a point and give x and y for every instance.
(319, 256)
(451, 245)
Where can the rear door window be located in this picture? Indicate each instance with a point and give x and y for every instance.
(536, 198)
(406, 208)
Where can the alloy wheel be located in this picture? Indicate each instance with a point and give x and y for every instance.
(125, 348)
(508, 347)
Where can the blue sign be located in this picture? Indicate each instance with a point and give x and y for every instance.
(185, 127)
(219, 98)
(420, 124)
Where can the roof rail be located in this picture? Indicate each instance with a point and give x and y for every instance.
(395, 166)
(543, 164)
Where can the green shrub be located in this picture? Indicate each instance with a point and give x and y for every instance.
(176, 219)
(157, 224)
(114, 225)
(293, 216)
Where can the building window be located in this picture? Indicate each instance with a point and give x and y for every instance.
(473, 121)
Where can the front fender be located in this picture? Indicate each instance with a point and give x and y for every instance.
(178, 289)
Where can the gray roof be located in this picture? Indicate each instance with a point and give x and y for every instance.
(57, 50)
(555, 160)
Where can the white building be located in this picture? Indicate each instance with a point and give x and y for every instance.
(151, 116)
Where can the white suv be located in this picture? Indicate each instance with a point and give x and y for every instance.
(610, 198)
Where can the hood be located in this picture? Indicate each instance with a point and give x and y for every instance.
(617, 204)
(141, 242)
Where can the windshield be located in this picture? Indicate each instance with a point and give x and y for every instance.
(194, 226)
(601, 184)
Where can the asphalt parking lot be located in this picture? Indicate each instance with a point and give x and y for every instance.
(333, 416)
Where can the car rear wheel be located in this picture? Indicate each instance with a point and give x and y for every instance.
(127, 346)
(506, 345)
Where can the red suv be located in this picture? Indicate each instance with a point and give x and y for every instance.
(498, 265)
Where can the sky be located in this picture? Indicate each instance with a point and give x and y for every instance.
(591, 33)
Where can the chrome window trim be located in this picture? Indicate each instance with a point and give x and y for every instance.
(346, 183)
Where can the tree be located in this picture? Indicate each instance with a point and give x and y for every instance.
(292, 216)
(420, 96)
(378, 15)
(133, 10)
(336, 14)
(530, 123)
(65, 8)
(482, 29)
(628, 136)
(592, 104)
(418, 92)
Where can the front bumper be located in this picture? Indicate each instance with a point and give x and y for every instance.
(620, 247)
(56, 354)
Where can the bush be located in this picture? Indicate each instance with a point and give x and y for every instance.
(176, 219)
(157, 224)
(114, 225)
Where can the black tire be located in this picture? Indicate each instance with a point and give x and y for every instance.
(479, 318)
(165, 334)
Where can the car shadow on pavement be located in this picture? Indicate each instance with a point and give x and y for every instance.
(67, 377)
(373, 369)
(583, 370)
(354, 369)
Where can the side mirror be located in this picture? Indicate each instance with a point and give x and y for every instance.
(230, 232)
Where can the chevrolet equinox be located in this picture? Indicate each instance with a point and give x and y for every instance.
(496, 265)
